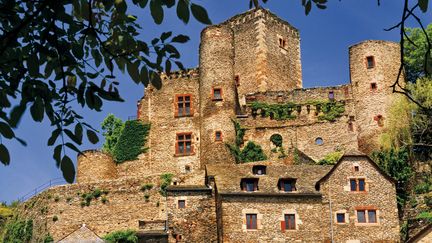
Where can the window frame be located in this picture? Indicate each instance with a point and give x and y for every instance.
(176, 105)
(358, 181)
(373, 86)
(213, 94)
(244, 184)
(220, 137)
(344, 218)
(181, 203)
(177, 142)
(257, 168)
(290, 181)
(289, 222)
(372, 58)
(367, 213)
(250, 223)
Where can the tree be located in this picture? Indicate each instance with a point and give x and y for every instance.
(112, 127)
(416, 46)
(57, 54)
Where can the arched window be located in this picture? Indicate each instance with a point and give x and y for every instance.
(319, 141)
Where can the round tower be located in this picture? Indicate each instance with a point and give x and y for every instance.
(374, 66)
(94, 165)
(217, 94)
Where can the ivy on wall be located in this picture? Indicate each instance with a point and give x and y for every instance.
(166, 181)
(251, 152)
(18, 231)
(131, 142)
(331, 110)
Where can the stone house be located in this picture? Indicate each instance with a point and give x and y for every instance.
(250, 73)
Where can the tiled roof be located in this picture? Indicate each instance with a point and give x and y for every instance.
(228, 177)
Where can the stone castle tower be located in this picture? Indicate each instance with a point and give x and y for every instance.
(249, 72)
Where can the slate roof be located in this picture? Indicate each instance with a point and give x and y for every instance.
(228, 177)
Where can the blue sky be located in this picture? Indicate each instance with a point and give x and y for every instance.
(325, 38)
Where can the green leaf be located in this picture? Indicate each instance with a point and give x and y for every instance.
(37, 110)
(97, 57)
(68, 169)
(183, 11)
(168, 66)
(144, 76)
(57, 154)
(6, 130)
(156, 11)
(54, 136)
(121, 6)
(79, 131)
(33, 64)
(180, 39)
(16, 114)
(156, 80)
(133, 71)
(308, 7)
(73, 147)
(423, 4)
(72, 136)
(92, 137)
(165, 35)
(143, 3)
(4, 155)
(200, 14)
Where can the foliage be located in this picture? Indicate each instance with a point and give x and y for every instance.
(423, 187)
(331, 158)
(48, 239)
(146, 197)
(112, 128)
(58, 55)
(252, 152)
(415, 52)
(276, 139)
(17, 230)
(147, 186)
(331, 110)
(428, 200)
(93, 194)
(55, 218)
(104, 199)
(166, 181)
(394, 162)
(425, 216)
(131, 141)
(121, 236)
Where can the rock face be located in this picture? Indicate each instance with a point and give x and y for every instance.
(250, 72)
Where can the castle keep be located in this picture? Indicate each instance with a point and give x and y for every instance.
(247, 91)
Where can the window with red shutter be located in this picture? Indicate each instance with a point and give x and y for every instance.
(251, 221)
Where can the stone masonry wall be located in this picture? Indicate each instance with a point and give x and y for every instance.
(94, 165)
(197, 221)
(270, 212)
(380, 195)
(371, 103)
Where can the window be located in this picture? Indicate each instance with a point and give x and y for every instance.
(259, 170)
(319, 141)
(249, 184)
(373, 86)
(290, 221)
(184, 144)
(217, 94)
(308, 108)
(218, 136)
(367, 216)
(357, 185)
(370, 62)
(251, 221)
(356, 168)
(380, 120)
(282, 43)
(340, 218)
(287, 185)
(183, 105)
(331, 95)
(141, 224)
(187, 168)
(181, 203)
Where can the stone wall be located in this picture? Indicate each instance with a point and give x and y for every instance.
(270, 212)
(380, 195)
(196, 222)
(371, 103)
(95, 165)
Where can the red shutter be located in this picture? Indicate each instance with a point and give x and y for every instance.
(283, 226)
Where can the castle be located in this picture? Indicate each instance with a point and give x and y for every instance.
(247, 89)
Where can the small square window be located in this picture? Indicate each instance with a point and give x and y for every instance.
(218, 136)
(290, 222)
(181, 203)
(331, 95)
(340, 217)
(356, 168)
(373, 86)
(251, 221)
(141, 224)
(370, 62)
(217, 94)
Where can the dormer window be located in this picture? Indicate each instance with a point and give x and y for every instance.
(259, 170)
(249, 184)
(287, 185)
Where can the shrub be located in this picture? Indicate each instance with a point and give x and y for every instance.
(48, 238)
(146, 197)
(252, 152)
(112, 128)
(423, 187)
(425, 216)
(276, 139)
(428, 200)
(18, 231)
(331, 158)
(104, 200)
(146, 187)
(96, 193)
(131, 142)
(123, 236)
(68, 199)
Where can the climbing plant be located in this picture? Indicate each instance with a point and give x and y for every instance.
(331, 158)
(121, 236)
(166, 181)
(331, 110)
(276, 139)
(131, 141)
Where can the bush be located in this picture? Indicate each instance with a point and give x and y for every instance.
(423, 187)
(166, 181)
(104, 200)
(146, 187)
(112, 128)
(131, 142)
(331, 158)
(425, 216)
(48, 239)
(428, 200)
(18, 231)
(276, 139)
(252, 152)
(122, 236)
